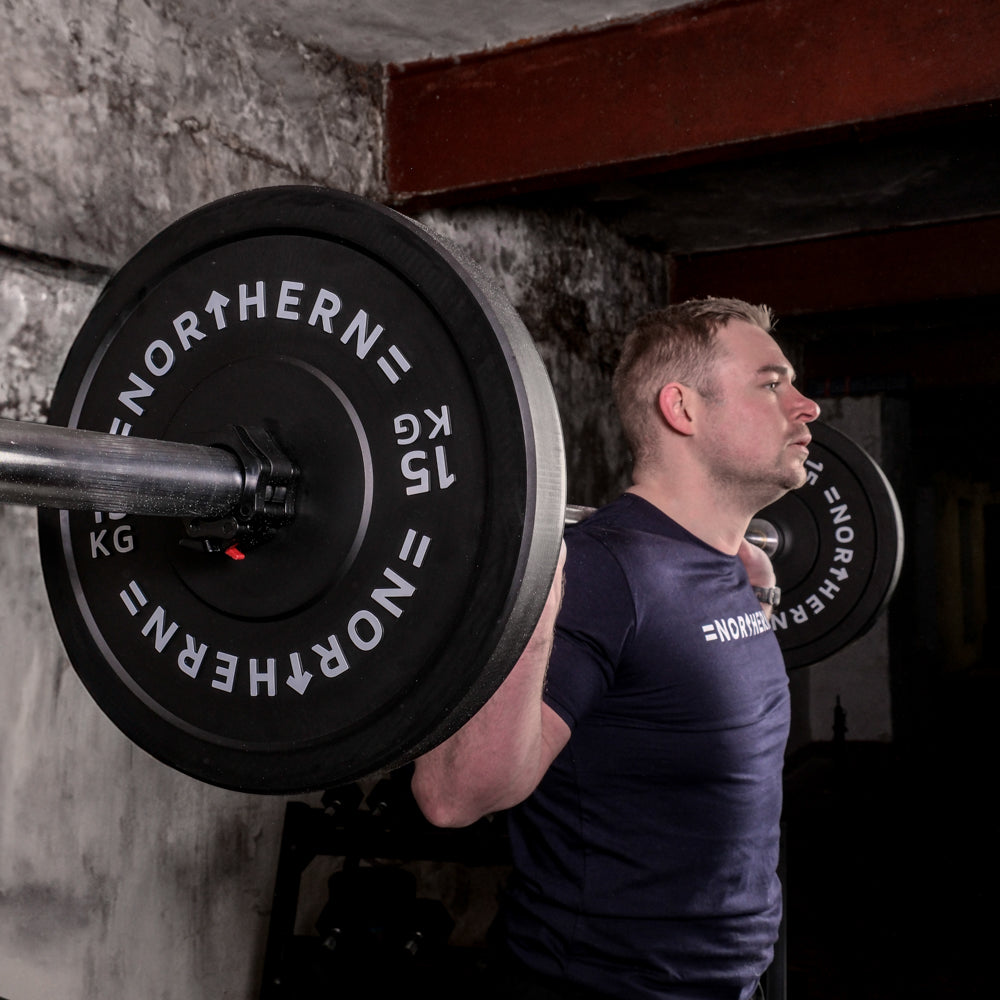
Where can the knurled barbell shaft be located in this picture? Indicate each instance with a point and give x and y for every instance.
(42, 465)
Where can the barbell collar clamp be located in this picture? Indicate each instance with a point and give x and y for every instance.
(266, 501)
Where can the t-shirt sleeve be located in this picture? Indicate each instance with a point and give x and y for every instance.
(595, 621)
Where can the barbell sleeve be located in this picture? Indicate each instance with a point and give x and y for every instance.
(576, 513)
(42, 465)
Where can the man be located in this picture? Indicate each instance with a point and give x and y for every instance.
(646, 766)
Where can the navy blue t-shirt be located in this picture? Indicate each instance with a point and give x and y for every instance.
(645, 862)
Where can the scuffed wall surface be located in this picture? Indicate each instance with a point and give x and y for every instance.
(115, 119)
(120, 878)
(41, 308)
(578, 288)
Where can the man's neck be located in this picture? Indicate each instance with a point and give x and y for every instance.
(704, 514)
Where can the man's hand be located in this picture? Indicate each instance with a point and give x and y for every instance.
(758, 567)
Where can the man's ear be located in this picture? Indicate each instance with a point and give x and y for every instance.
(674, 401)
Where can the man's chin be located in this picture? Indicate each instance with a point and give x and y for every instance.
(782, 485)
(798, 479)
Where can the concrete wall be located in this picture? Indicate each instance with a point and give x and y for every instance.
(116, 118)
(578, 288)
(120, 878)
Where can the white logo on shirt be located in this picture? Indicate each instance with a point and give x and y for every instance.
(739, 627)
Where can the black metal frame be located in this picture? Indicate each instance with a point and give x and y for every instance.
(387, 825)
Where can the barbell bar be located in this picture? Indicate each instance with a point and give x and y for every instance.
(307, 376)
(42, 465)
(67, 469)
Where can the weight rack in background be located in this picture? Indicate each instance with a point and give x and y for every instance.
(376, 931)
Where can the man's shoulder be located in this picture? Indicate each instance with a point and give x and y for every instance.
(627, 520)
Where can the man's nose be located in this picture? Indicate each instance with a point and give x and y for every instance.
(805, 408)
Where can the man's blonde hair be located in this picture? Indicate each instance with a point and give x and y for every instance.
(675, 344)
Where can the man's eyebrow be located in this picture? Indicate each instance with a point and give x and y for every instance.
(777, 370)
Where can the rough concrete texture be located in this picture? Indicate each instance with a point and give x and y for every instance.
(578, 288)
(116, 118)
(116, 872)
(41, 308)
(406, 30)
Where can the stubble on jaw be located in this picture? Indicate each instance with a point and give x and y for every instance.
(753, 491)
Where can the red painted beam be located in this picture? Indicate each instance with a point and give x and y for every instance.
(949, 261)
(695, 83)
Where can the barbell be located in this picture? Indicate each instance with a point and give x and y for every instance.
(302, 491)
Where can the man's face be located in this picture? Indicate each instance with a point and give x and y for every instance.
(754, 434)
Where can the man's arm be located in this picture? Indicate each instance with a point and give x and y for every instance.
(498, 757)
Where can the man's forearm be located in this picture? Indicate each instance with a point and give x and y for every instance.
(498, 757)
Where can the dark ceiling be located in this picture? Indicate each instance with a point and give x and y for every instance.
(863, 182)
